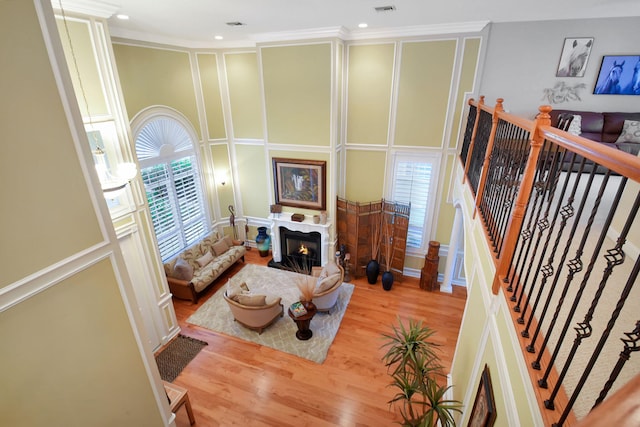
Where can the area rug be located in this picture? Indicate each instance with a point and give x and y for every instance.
(173, 358)
(216, 316)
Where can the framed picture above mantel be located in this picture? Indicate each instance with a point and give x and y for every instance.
(300, 183)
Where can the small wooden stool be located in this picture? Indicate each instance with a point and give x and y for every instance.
(179, 396)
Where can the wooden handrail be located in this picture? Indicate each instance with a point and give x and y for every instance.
(467, 161)
(618, 161)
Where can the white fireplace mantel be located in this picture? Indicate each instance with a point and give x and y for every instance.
(306, 226)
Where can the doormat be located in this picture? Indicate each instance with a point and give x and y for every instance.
(173, 359)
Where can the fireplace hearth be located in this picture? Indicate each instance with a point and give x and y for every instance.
(304, 243)
(300, 251)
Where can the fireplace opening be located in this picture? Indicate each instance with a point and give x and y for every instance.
(300, 251)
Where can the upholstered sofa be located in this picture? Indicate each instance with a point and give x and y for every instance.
(253, 311)
(604, 128)
(193, 270)
(615, 130)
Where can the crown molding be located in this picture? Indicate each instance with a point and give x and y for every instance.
(419, 30)
(138, 36)
(310, 34)
(99, 9)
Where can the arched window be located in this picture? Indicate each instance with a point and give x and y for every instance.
(169, 170)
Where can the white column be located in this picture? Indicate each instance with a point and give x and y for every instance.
(454, 243)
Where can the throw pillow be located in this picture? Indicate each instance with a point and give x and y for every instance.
(575, 128)
(252, 300)
(234, 290)
(182, 270)
(630, 132)
(332, 268)
(326, 283)
(229, 241)
(204, 259)
(220, 247)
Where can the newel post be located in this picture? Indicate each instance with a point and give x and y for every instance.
(473, 137)
(487, 156)
(524, 192)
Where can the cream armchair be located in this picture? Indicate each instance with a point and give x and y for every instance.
(256, 312)
(330, 278)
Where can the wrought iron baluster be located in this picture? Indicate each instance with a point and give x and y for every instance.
(567, 211)
(509, 198)
(610, 324)
(535, 209)
(543, 225)
(614, 257)
(471, 121)
(630, 344)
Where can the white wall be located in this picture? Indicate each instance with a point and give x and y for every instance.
(522, 60)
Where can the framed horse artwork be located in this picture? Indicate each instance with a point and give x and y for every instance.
(574, 57)
(619, 75)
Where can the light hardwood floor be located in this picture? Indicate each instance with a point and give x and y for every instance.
(234, 382)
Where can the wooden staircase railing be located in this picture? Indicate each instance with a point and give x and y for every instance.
(558, 212)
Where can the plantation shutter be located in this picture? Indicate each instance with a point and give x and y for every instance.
(412, 184)
(172, 185)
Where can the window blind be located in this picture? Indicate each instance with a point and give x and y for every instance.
(412, 184)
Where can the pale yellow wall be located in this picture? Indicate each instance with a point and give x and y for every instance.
(94, 94)
(424, 85)
(151, 76)
(297, 90)
(365, 175)
(369, 95)
(445, 213)
(253, 185)
(69, 358)
(468, 340)
(504, 324)
(68, 352)
(467, 77)
(244, 94)
(220, 156)
(208, 70)
(46, 212)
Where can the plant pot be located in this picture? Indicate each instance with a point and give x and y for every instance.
(387, 280)
(263, 241)
(372, 270)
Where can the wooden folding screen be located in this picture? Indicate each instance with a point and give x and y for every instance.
(355, 223)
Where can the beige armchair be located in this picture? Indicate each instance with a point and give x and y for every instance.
(330, 278)
(256, 315)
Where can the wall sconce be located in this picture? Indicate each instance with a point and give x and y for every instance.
(221, 177)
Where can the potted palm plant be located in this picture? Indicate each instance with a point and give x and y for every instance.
(412, 361)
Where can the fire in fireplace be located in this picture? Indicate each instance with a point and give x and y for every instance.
(300, 250)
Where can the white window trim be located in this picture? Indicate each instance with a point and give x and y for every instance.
(152, 113)
(435, 159)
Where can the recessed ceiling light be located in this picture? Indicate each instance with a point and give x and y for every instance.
(363, 25)
(122, 17)
(218, 37)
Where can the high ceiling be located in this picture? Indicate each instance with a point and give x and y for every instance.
(195, 23)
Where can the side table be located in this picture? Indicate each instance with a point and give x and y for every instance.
(303, 322)
(179, 396)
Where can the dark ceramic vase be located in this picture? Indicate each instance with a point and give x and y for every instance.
(372, 270)
(387, 280)
(263, 241)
